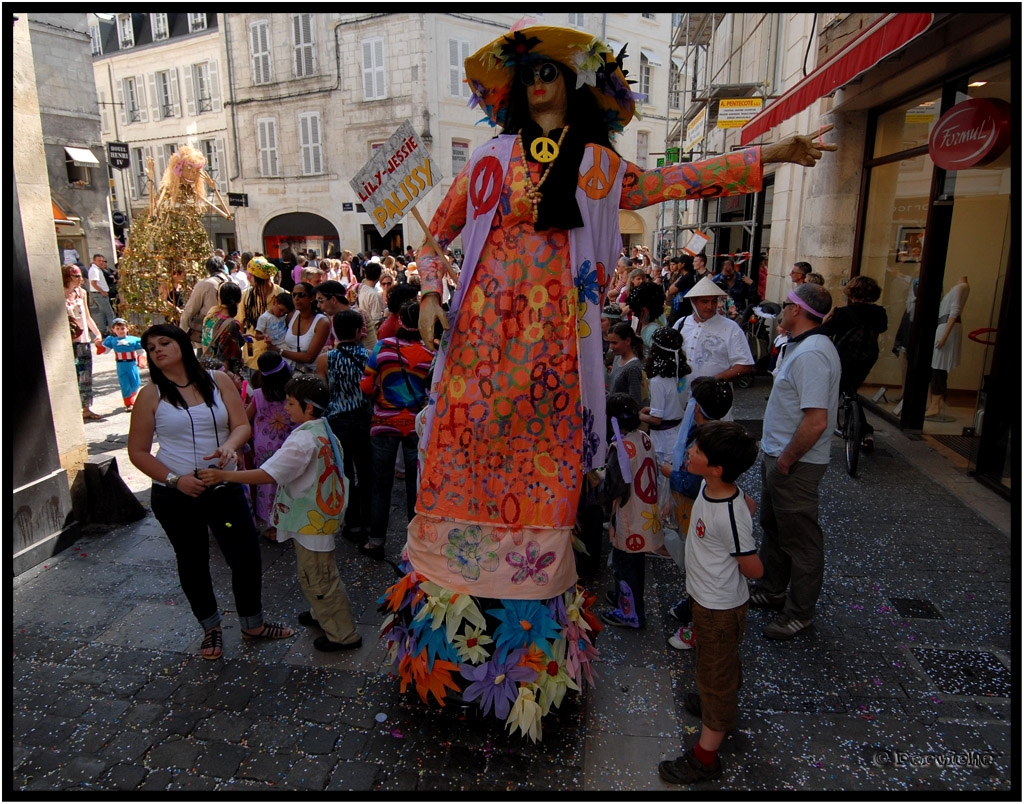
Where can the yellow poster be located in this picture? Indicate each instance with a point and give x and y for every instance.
(736, 112)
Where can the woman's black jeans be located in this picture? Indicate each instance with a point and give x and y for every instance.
(224, 511)
(353, 432)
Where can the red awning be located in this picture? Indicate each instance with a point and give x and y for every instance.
(883, 38)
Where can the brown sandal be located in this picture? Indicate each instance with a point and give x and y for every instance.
(213, 641)
(270, 631)
(270, 534)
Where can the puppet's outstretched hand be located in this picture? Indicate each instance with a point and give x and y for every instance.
(799, 149)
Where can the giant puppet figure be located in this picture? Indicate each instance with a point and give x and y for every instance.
(489, 609)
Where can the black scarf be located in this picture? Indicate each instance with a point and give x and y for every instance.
(558, 208)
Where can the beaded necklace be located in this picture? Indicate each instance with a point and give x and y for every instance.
(533, 192)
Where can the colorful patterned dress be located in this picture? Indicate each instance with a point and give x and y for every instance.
(490, 604)
(270, 427)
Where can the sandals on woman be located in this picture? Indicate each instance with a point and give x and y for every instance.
(270, 534)
(89, 416)
(213, 642)
(270, 631)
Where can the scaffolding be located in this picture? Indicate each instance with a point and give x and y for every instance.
(695, 114)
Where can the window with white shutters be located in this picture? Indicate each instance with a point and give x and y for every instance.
(134, 103)
(458, 52)
(140, 183)
(97, 43)
(213, 150)
(125, 32)
(203, 87)
(643, 149)
(302, 41)
(165, 92)
(675, 85)
(373, 69)
(259, 46)
(309, 143)
(266, 143)
(645, 77)
(104, 111)
(163, 158)
(159, 24)
(196, 22)
(577, 20)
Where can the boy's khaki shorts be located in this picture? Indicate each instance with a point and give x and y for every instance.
(718, 633)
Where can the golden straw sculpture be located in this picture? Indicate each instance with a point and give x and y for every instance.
(171, 235)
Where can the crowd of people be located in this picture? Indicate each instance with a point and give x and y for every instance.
(246, 374)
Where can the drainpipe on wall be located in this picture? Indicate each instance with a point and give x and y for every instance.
(231, 97)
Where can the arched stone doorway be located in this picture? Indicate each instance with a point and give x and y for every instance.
(298, 230)
(632, 228)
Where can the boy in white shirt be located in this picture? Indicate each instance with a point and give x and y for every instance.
(312, 494)
(720, 551)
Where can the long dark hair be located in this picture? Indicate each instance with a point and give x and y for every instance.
(196, 374)
(273, 376)
(558, 207)
(255, 300)
(229, 295)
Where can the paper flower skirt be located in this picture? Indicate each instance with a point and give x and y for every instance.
(515, 659)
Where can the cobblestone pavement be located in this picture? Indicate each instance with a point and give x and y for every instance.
(903, 683)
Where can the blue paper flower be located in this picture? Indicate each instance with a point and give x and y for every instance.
(591, 440)
(523, 622)
(435, 640)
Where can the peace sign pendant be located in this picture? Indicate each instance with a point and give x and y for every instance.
(544, 149)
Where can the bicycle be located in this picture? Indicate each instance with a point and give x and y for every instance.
(850, 430)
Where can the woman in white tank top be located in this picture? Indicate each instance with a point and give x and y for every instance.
(199, 420)
(307, 331)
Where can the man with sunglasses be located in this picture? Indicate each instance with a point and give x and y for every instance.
(798, 424)
(330, 300)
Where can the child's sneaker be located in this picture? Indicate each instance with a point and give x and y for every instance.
(682, 639)
(619, 619)
(681, 611)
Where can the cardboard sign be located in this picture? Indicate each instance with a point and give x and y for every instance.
(399, 174)
(695, 245)
(695, 130)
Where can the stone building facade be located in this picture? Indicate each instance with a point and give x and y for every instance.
(313, 95)
(160, 84)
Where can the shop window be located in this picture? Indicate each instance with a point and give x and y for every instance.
(907, 126)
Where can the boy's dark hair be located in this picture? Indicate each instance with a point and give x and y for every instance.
(309, 389)
(331, 288)
(624, 408)
(399, 295)
(409, 319)
(714, 396)
(347, 324)
(273, 376)
(284, 298)
(371, 271)
(727, 445)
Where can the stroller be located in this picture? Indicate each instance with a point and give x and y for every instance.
(760, 331)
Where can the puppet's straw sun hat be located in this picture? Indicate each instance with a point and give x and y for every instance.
(492, 69)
